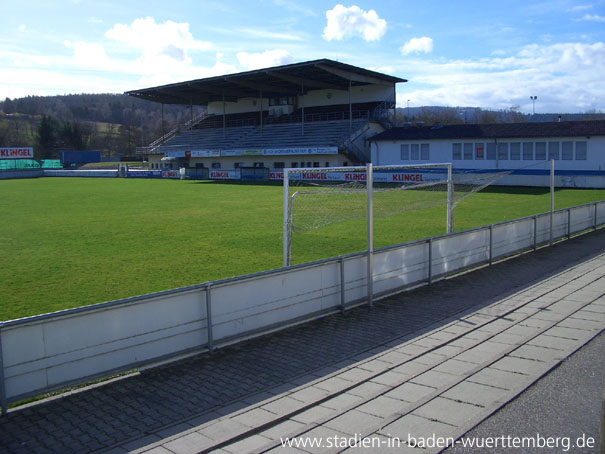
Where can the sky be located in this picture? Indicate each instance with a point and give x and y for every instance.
(467, 53)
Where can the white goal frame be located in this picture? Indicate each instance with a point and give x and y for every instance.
(369, 169)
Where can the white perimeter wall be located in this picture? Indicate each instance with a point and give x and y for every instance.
(50, 351)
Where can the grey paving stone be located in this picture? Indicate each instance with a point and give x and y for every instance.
(395, 357)
(222, 430)
(189, 444)
(390, 378)
(410, 368)
(255, 417)
(333, 384)
(248, 444)
(283, 405)
(538, 353)
(544, 340)
(476, 394)
(368, 388)
(342, 401)
(322, 434)
(378, 444)
(375, 365)
(449, 411)
(282, 430)
(455, 367)
(355, 374)
(522, 366)
(309, 394)
(353, 422)
(429, 359)
(500, 378)
(578, 323)
(410, 392)
(313, 414)
(383, 406)
(434, 379)
(413, 427)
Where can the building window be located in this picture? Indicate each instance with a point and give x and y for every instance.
(581, 151)
(279, 165)
(424, 151)
(327, 164)
(294, 165)
(415, 152)
(553, 150)
(237, 165)
(457, 151)
(502, 151)
(479, 151)
(515, 151)
(491, 151)
(216, 165)
(468, 151)
(540, 151)
(405, 152)
(316, 164)
(567, 151)
(528, 151)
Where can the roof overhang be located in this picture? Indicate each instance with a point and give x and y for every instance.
(286, 80)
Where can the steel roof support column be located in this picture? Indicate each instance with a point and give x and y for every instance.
(350, 110)
(224, 118)
(302, 102)
(261, 112)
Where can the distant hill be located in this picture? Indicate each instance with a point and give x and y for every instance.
(459, 115)
(113, 123)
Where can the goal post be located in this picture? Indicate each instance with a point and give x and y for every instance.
(330, 194)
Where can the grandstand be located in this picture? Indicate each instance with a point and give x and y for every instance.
(319, 113)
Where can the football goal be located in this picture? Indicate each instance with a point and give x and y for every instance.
(316, 197)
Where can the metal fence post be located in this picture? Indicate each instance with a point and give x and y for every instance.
(596, 204)
(450, 199)
(2, 382)
(568, 223)
(430, 261)
(370, 215)
(342, 285)
(209, 320)
(552, 199)
(491, 244)
(535, 233)
(286, 240)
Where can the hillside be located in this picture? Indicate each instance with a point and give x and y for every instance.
(114, 124)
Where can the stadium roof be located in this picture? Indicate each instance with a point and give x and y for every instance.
(495, 131)
(286, 80)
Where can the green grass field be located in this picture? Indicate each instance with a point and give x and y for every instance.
(70, 242)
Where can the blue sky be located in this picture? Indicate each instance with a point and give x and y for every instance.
(465, 53)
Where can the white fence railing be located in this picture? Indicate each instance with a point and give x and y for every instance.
(50, 351)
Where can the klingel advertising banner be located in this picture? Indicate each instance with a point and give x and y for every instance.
(17, 153)
(413, 177)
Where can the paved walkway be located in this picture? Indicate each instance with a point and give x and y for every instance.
(435, 361)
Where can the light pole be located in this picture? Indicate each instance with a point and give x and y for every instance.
(533, 101)
(408, 110)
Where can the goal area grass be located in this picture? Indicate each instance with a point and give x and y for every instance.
(69, 242)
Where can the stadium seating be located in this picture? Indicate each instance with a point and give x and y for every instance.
(279, 135)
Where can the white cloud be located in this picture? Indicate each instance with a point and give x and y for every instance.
(593, 18)
(566, 77)
(417, 46)
(347, 22)
(21, 27)
(90, 56)
(265, 59)
(157, 39)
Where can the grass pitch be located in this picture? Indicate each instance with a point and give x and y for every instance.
(70, 242)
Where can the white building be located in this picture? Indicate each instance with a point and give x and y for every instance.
(578, 148)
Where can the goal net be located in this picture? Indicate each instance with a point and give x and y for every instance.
(317, 197)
